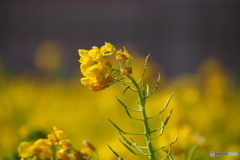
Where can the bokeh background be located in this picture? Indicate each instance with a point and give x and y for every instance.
(194, 45)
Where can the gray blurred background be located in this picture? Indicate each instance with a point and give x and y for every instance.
(180, 34)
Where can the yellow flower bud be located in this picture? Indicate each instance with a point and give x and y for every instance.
(59, 134)
(126, 71)
(122, 56)
(52, 137)
(66, 144)
(77, 156)
(62, 154)
(89, 145)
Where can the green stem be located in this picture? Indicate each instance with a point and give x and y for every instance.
(147, 131)
(191, 152)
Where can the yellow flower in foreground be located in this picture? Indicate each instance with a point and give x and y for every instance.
(97, 83)
(95, 53)
(98, 70)
(95, 68)
(107, 49)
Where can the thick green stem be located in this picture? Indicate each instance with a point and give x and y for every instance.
(147, 130)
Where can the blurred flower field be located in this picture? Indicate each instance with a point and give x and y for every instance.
(205, 111)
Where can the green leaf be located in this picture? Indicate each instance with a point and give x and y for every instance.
(126, 106)
(117, 155)
(168, 117)
(164, 108)
(120, 130)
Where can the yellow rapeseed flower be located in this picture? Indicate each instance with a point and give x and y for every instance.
(42, 148)
(58, 133)
(46, 149)
(34, 149)
(95, 53)
(46, 153)
(23, 149)
(97, 83)
(123, 56)
(52, 137)
(76, 156)
(98, 70)
(84, 55)
(42, 142)
(63, 154)
(66, 144)
(108, 49)
(95, 69)
(126, 71)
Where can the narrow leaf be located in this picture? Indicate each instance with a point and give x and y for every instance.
(125, 145)
(147, 90)
(145, 65)
(176, 138)
(168, 117)
(120, 130)
(139, 148)
(164, 108)
(126, 89)
(125, 139)
(162, 130)
(126, 106)
(157, 129)
(156, 86)
(115, 153)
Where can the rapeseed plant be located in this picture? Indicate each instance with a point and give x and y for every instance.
(100, 73)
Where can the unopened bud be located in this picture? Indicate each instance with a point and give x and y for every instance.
(126, 71)
(89, 145)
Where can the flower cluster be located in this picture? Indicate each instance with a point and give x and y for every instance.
(56, 146)
(99, 71)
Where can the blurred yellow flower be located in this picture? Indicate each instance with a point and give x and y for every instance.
(48, 56)
(89, 145)
(23, 149)
(59, 133)
(43, 149)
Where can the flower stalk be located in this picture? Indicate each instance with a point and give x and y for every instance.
(147, 132)
(100, 73)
